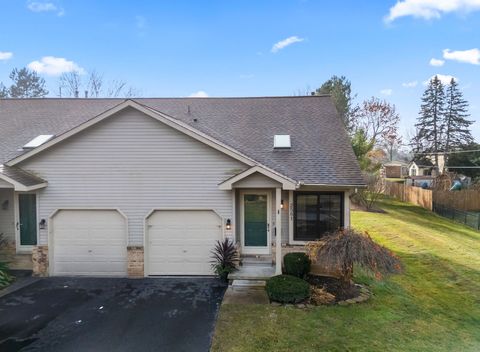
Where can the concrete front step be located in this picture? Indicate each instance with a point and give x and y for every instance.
(257, 260)
(248, 283)
(253, 272)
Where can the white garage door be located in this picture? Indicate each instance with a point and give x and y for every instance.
(180, 241)
(89, 242)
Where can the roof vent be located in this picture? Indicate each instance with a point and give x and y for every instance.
(281, 141)
(38, 141)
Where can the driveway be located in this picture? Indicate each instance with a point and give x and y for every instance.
(99, 314)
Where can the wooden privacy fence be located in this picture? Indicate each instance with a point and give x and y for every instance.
(466, 200)
(416, 195)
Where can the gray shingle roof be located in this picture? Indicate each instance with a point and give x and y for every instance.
(20, 176)
(320, 153)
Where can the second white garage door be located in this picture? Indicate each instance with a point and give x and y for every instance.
(89, 242)
(180, 241)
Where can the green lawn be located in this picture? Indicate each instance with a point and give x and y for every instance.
(433, 306)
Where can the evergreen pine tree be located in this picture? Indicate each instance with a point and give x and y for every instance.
(457, 131)
(26, 84)
(430, 122)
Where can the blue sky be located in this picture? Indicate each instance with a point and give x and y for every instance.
(226, 48)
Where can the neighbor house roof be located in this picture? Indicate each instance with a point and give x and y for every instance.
(320, 151)
(423, 162)
(395, 163)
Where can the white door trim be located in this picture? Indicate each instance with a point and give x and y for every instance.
(256, 250)
(16, 210)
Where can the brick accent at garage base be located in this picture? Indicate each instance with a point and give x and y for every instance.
(40, 260)
(135, 261)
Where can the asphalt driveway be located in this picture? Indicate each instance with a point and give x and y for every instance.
(98, 314)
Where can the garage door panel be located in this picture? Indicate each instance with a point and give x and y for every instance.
(89, 242)
(180, 242)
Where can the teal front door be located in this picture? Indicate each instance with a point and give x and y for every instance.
(255, 223)
(27, 206)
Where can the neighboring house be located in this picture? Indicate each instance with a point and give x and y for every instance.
(420, 167)
(112, 187)
(395, 169)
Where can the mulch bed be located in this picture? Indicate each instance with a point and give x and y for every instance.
(334, 286)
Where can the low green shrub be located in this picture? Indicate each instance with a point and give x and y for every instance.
(5, 277)
(287, 289)
(296, 264)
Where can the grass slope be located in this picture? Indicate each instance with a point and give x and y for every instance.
(433, 306)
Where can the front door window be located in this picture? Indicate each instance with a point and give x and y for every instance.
(28, 219)
(255, 211)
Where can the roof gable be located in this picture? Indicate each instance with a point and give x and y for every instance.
(320, 152)
(148, 111)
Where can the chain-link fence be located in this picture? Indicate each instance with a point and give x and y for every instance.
(469, 218)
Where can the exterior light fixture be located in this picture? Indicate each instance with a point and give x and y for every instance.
(228, 225)
(5, 205)
(281, 204)
(42, 225)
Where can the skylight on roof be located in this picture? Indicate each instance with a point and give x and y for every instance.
(38, 141)
(281, 141)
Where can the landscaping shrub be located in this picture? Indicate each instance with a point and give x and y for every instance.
(287, 289)
(224, 258)
(345, 248)
(5, 278)
(296, 264)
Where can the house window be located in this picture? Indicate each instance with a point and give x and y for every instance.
(317, 213)
(414, 172)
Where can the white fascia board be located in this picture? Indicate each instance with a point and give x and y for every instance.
(287, 184)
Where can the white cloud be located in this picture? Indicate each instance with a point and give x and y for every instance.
(54, 66)
(430, 9)
(286, 42)
(471, 56)
(5, 55)
(412, 84)
(199, 94)
(38, 6)
(445, 79)
(436, 62)
(386, 91)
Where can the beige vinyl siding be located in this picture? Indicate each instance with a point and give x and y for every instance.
(284, 215)
(134, 163)
(5, 184)
(7, 216)
(256, 180)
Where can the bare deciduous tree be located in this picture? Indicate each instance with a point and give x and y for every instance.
(70, 82)
(392, 142)
(115, 88)
(95, 84)
(378, 118)
(132, 92)
(370, 195)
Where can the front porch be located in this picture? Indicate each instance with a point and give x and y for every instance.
(262, 267)
(18, 216)
(272, 218)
